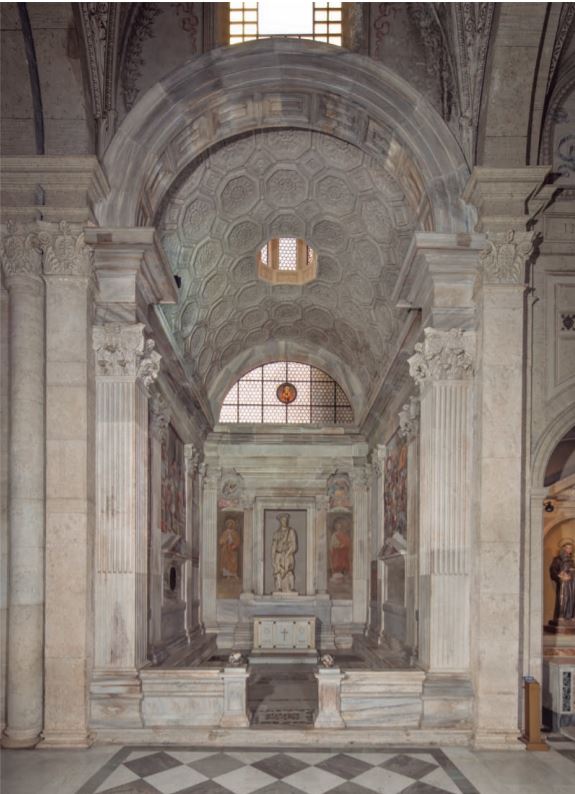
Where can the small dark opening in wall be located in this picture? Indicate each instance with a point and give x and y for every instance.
(173, 578)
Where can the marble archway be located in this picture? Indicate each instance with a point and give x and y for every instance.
(277, 83)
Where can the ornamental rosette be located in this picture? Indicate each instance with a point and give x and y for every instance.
(443, 355)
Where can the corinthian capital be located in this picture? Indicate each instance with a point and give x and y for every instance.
(65, 252)
(443, 355)
(505, 256)
(20, 250)
(118, 348)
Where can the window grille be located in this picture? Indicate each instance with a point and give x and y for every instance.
(326, 25)
(286, 392)
(287, 260)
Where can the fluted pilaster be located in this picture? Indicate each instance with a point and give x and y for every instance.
(209, 547)
(443, 368)
(127, 365)
(360, 480)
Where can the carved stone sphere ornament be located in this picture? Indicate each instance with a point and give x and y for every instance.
(286, 393)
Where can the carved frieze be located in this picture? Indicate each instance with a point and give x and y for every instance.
(409, 419)
(443, 355)
(159, 418)
(506, 255)
(192, 459)
(122, 351)
(20, 250)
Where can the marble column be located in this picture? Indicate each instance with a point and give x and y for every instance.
(126, 366)
(247, 548)
(409, 429)
(501, 455)
(360, 480)
(22, 264)
(209, 558)
(192, 583)
(321, 507)
(377, 535)
(158, 429)
(443, 368)
(506, 200)
(70, 429)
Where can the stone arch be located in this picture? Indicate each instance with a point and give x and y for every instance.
(291, 350)
(275, 83)
(549, 439)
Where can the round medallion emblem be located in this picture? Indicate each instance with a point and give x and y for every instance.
(286, 393)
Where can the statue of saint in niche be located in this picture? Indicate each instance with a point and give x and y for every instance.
(284, 547)
(229, 549)
(562, 572)
(339, 548)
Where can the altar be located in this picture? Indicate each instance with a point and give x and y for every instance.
(288, 639)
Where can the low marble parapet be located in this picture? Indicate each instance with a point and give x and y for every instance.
(382, 698)
(182, 697)
(447, 701)
(115, 700)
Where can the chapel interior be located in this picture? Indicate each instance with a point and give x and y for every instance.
(287, 404)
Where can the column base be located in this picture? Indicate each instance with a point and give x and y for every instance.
(20, 742)
(65, 740)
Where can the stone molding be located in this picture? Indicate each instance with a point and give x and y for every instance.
(409, 419)
(20, 250)
(159, 418)
(505, 257)
(122, 351)
(443, 355)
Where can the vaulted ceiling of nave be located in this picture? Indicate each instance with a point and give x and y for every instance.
(293, 183)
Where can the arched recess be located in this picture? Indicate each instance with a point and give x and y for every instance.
(534, 536)
(285, 83)
(287, 350)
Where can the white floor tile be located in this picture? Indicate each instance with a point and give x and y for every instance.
(175, 779)
(117, 778)
(187, 756)
(382, 780)
(244, 780)
(312, 758)
(441, 779)
(313, 781)
(249, 757)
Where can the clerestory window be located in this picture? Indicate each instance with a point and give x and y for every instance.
(298, 19)
(286, 392)
(287, 260)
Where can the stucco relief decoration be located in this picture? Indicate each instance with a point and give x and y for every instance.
(232, 491)
(65, 252)
(444, 355)
(149, 364)
(20, 250)
(159, 417)
(409, 419)
(506, 255)
(190, 23)
(142, 29)
(339, 491)
(121, 351)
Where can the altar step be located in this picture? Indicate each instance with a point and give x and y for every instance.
(282, 696)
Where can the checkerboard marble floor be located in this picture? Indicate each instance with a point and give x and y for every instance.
(285, 771)
(104, 769)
